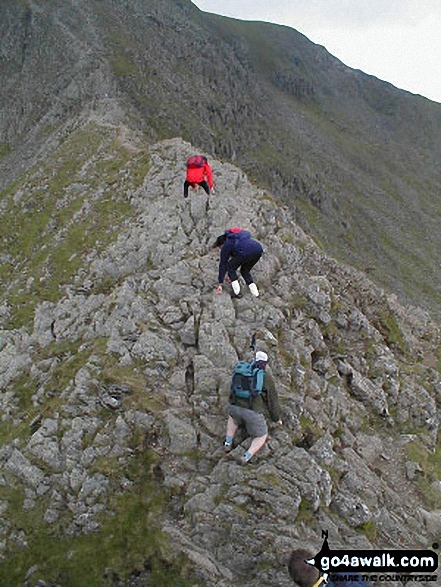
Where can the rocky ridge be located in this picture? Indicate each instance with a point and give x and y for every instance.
(118, 389)
(355, 157)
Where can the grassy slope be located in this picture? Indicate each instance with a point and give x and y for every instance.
(369, 181)
(72, 204)
(357, 158)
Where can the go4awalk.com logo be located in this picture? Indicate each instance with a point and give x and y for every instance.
(375, 565)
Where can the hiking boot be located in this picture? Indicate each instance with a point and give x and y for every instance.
(244, 459)
(254, 290)
(228, 447)
(236, 287)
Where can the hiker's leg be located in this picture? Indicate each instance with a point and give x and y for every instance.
(258, 430)
(231, 427)
(257, 444)
(247, 265)
(187, 184)
(206, 187)
(232, 266)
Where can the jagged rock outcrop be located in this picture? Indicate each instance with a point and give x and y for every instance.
(355, 157)
(117, 389)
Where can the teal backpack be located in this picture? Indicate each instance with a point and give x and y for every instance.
(247, 380)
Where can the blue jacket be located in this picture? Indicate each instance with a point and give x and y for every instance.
(237, 243)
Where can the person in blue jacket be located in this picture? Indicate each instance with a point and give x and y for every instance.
(237, 250)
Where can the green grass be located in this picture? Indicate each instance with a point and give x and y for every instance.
(69, 361)
(71, 357)
(305, 513)
(430, 463)
(271, 480)
(310, 428)
(369, 529)
(140, 398)
(129, 540)
(4, 150)
(72, 204)
(387, 324)
(122, 53)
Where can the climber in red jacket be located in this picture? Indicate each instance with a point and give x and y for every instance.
(200, 173)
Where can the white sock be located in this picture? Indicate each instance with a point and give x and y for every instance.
(254, 290)
(236, 287)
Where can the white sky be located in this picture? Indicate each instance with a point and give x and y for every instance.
(398, 41)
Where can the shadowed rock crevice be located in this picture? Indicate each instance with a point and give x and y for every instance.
(189, 380)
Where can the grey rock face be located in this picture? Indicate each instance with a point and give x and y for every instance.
(141, 365)
(23, 469)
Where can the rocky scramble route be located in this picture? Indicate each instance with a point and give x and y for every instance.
(140, 346)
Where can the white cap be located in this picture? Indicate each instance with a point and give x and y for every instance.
(261, 356)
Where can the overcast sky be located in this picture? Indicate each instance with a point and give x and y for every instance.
(398, 41)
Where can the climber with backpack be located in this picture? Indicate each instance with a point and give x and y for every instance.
(237, 250)
(252, 393)
(199, 172)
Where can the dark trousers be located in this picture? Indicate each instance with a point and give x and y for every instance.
(246, 263)
(203, 184)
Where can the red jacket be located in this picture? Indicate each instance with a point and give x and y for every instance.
(198, 174)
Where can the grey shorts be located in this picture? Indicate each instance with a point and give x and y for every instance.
(254, 422)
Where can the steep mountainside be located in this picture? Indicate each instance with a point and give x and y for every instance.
(115, 361)
(355, 158)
